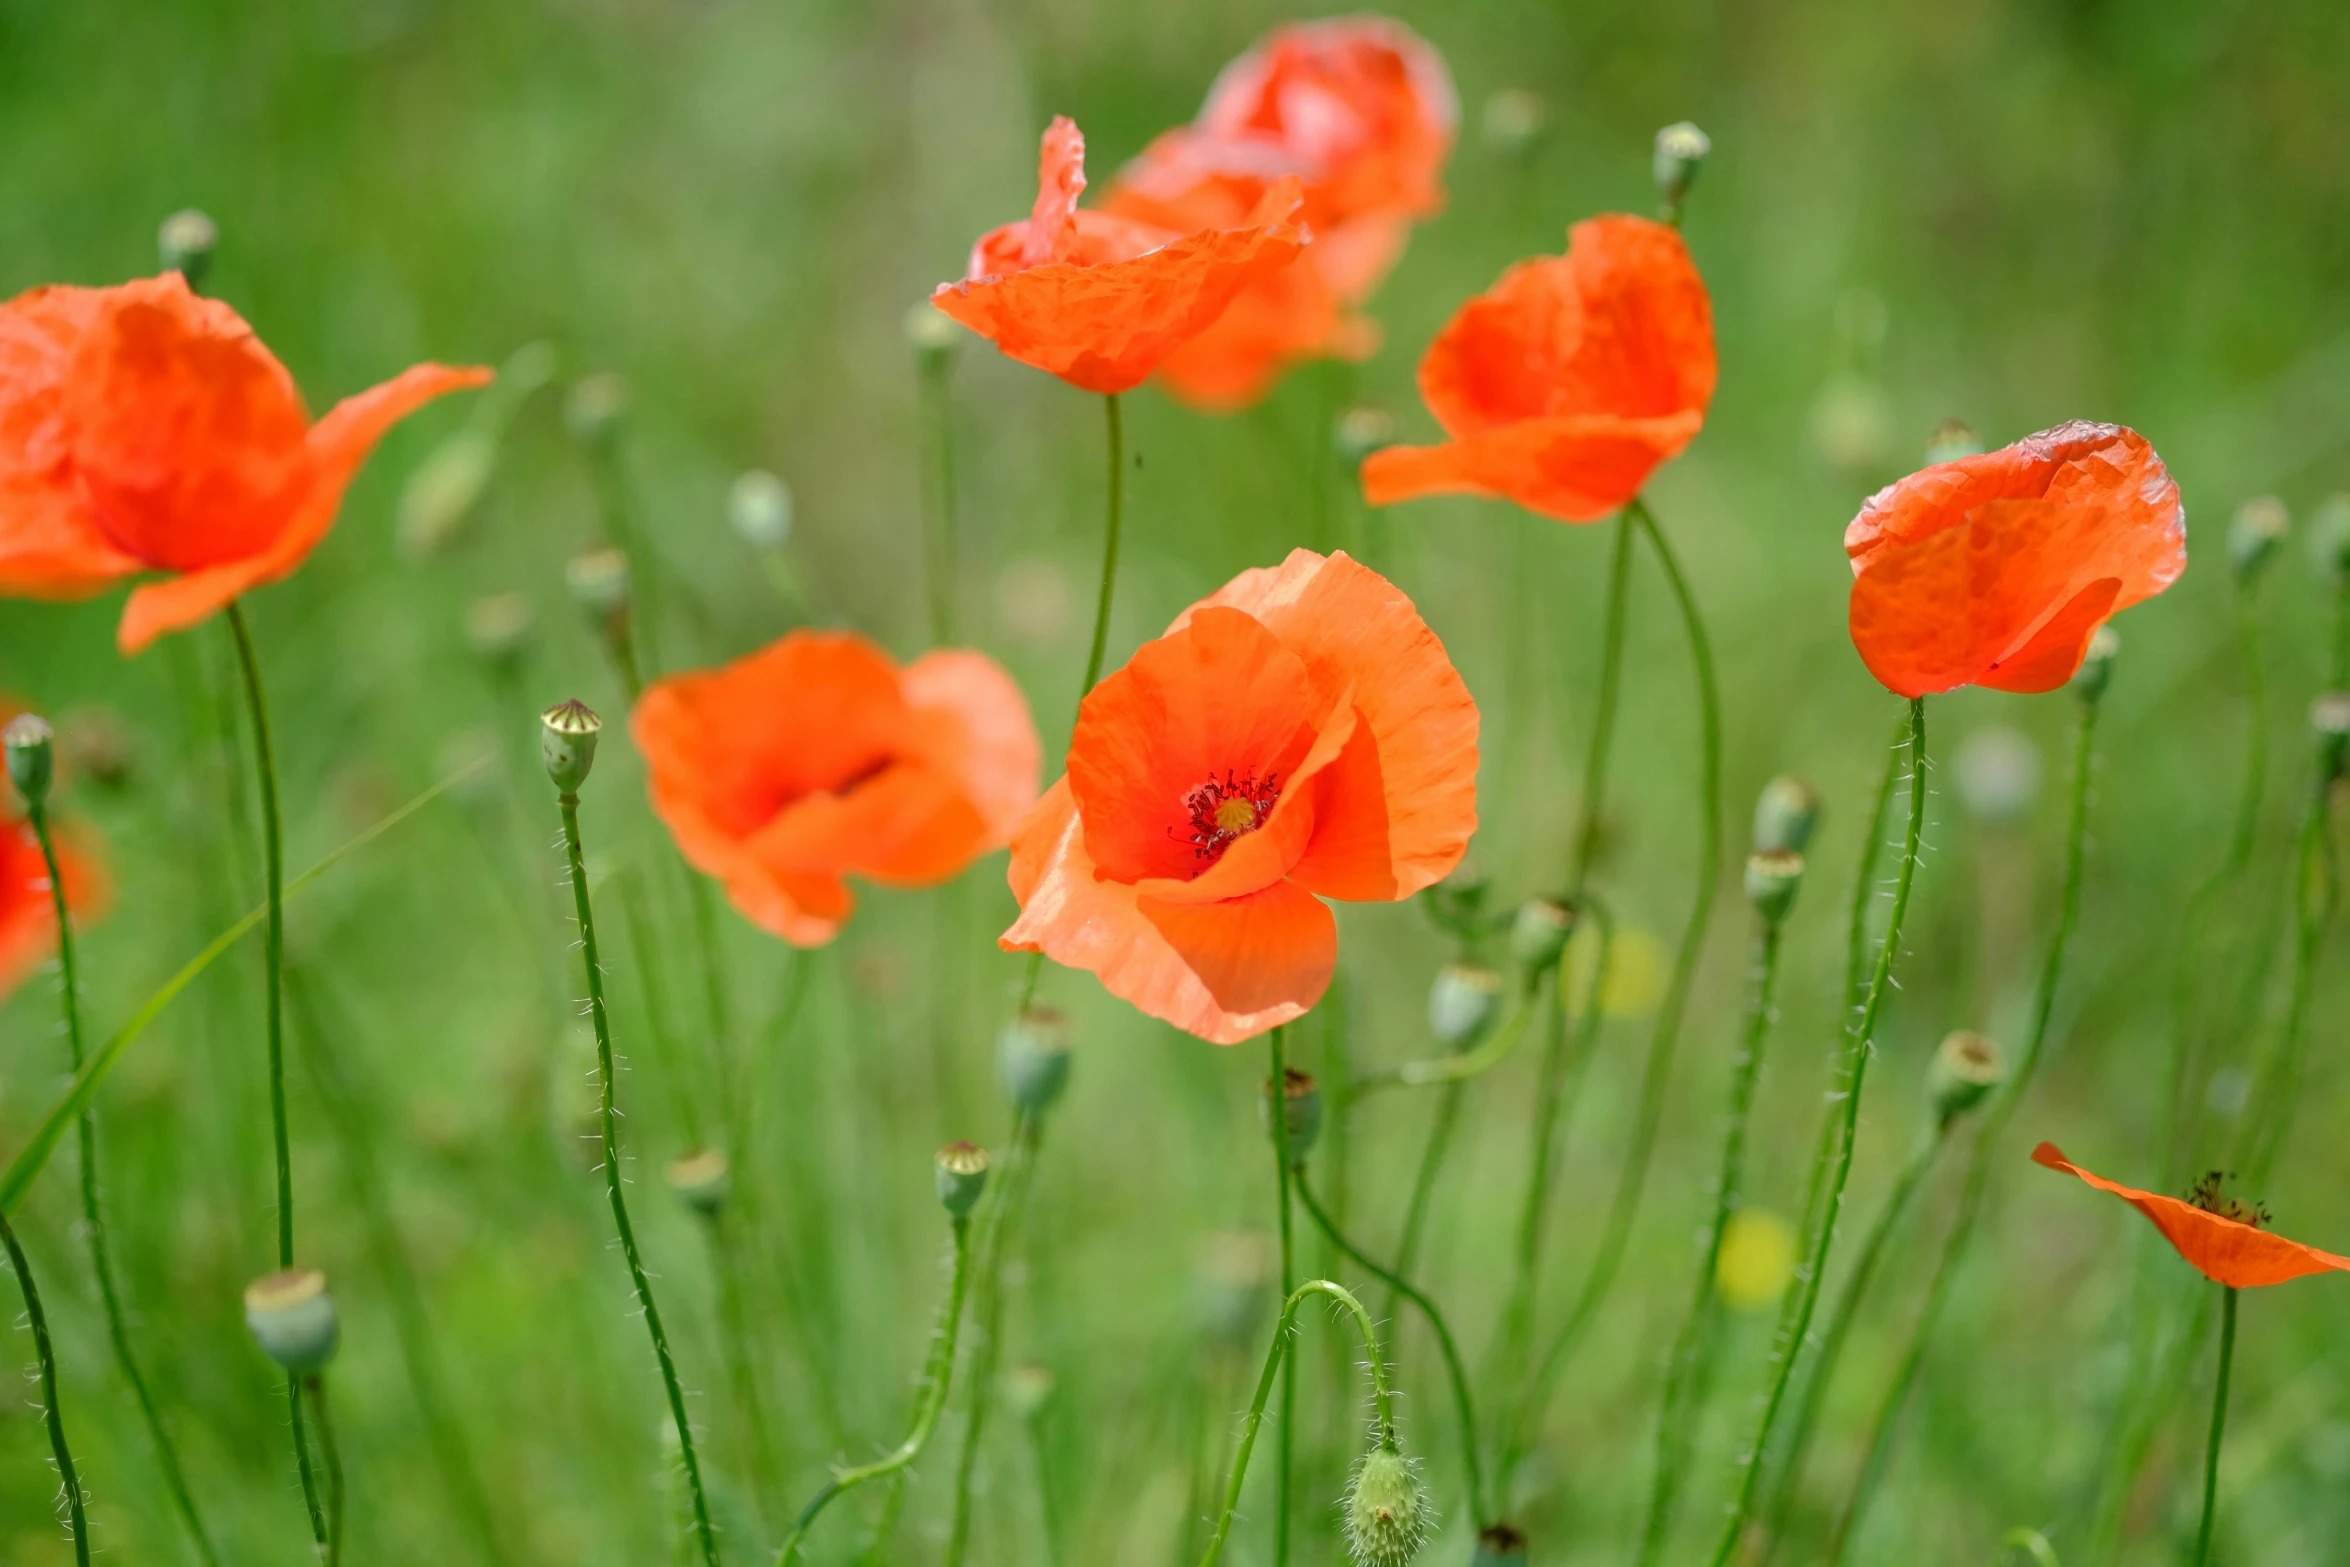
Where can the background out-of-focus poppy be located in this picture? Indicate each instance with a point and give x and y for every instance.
(1298, 735)
(1567, 383)
(1363, 111)
(143, 428)
(817, 758)
(28, 921)
(1101, 300)
(1995, 570)
(2224, 1247)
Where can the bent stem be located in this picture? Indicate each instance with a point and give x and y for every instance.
(46, 1356)
(1280, 1354)
(2219, 1426)
(1277, 1101)
(1854, 1074)
(988, 1308)
(937, 1373)
(609, 1116)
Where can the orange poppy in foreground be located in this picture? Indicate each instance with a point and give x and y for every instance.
(817, 758)
(2222, 1240)
(1569, 382)
(144, 428)
(1101, 300)
(28, 919)
(1298, 735)
(1363, 111)
(1995, 570)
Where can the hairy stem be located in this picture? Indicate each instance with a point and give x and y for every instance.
(994, 1240)
(46, 1356)
(336, 1510)
(1277, 1103)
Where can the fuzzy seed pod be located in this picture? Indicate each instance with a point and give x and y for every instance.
(1772, 878)
(1386, 1515)
(1301, 1097)
(32, 756)
(1032, 1059)
(1540, 934)
(186, 242)
(962, 1176)
(702, 1181)
(1680, 149)
(1462, 1004)
(293, 1319)
(1785, 813)
(567, 739)
(1965, 1068)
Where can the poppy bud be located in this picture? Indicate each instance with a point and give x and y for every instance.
(702, 1181)
(1952, 439)
(759, 507)
(2096, 671)
(931, 332)
(32, 755)
(1540, 934)
(1965, 1068)
(1032, 1059)
(1301, 1098)
(1362, 431)
(186, 242)
(1386, 1516)
(1772, 877)
(1513, 121)
(962, 1176)
(567, 739)
(2329, 537)
(2261, 524)
(1680, 148)
(293, 1319)
(595, 407)
(1500, 1546)
(1998, 774)
(1463, 1003)
(498, 627)
(2329, 715)
(598, 581)
(1785, 814)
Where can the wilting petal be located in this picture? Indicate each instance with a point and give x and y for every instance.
(2222, 1249)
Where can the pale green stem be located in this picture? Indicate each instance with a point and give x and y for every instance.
(1603, 719)
(2219, 1426)
(995, 1239)
(1277, 1100)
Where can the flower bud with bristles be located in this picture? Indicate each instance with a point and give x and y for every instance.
(759, 509)
(1680, 149)
(1387, 1516)
(2260, 527)
(567, 740)
(1301, 1099)
(1772, 879)
(1785, 813)
(962, 1176)
(702, 1180)
(1540, 933)
(1462, 1003)
(186, 242)
(1951, 440)
(292, 1318)
(1032, 1059)
(32, 755)
(1965, 1067)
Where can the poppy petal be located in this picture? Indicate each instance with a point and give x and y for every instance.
(1577, 468)
(1256, 860)
(909, 824)
(972, 723)
(2225, 1250)
(50, 545)
(1272, 949)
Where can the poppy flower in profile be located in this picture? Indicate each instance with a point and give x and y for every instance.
(1298, 735)
(817, 758)
(1569, 382)
(1363, 111)
(1995, 570)
(1101, 300)
(144, 428)
(2222, 1239)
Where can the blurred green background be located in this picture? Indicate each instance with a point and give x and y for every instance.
(2010, 213)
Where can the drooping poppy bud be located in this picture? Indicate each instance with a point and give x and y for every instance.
(1785, 814)
(1032, 1059)
(1772, 878)
(1965, 1068)
(1462, 1003)
(2260, 526)
(32, 756)
(186, 242)
(702, 1180)
(1386, 1513)
(567, 740)
(962, 1176)
(1301, 1102)
(292, 1318)
(1540, 933)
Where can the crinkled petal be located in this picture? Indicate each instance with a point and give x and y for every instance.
(50, 544)
(2227, 1251)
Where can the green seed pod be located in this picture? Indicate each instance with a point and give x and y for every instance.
(1362, 431)
(1965, 1068)
(1386, 1515)
(598, 583)
(1301, 1097)
(1540, 933)
(2329, 716)
(498, 628)
(1513, 121)
(186, 242)
(1772, 879)
(962, 1176)
(1500, 1546)
(32, 756)
(2096, 672)
(1785, 813)
(1952, 439)
(702, 1180)
(931, 332)
(1463, 1003)
(1680, 149)
(595, 408)
(759, 508)
(567, 740)
(2260, 527)
(293, 1319)
(1032, 1059)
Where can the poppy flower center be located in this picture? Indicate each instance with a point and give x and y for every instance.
(1223, 809)
(2208, 1197)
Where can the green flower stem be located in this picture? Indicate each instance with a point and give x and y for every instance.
(1603, 718)
(93, 1214)
(995, 1238)
(1453, 1070)
(336, 1511)
(937, 1374)
(938, 494)
(610, 1117)
(1853, 1073)
(2219, 1426)
(1987, 1136)
(1277, 1103)
(1284, 1336)
(46, 1355)
(1463, 1404)
(1693, 1344)
(2315, 889)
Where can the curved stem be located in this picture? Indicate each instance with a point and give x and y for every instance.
(333, 1456)
(1113, 516)
(610, 1121)
(1453, 1070)
(1859, 1047)
(2219, 1426)
(937, 1374)
(1455, 1368)
(46, 1355)
(1277, 1102)
(1690, 1346)
(1382, 1400)
(1603, 716)
(994, 1240)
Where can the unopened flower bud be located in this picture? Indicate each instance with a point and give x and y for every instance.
(1772, 879)
(1965, 1068)
(293, 1319)
(32, 755)
(1785, 813)
(1680, 148)
(2329, 716)
(2329, 537)
(498, 628)
(1386, 1514)
(186, 242)
(931, 332)
(2096, 671)
(595, 407)
(962, 1176)
(1362, 431)
(1462, 1003)
(759, 508)
(1513, 121)
(702, 1181)
(1032, 1059)
(567, 739)
(1951, 440)
(1500, 1546)
(598, 583)
(1998, 774)
(2260, 526)
(1540, 934)
(1301, 1100)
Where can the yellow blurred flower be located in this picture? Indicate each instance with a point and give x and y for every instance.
(1758, 1257)
(1636, 965)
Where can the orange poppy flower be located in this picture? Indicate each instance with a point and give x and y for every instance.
(1101, 300)
(143, 428)
(28, 921)
(1298, 735)
(1566, 384)
(1995, 570)
(1362, 110)
(817, 758)
(2223, 1242)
